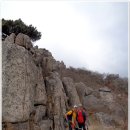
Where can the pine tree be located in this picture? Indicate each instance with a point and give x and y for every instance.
(18, 26)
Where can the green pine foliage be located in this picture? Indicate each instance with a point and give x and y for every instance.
(18, 26)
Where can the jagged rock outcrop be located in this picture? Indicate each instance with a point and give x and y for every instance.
(83, 91)
(71, 91)
(23, 40)
(18, 83)
(56, 100)
(108, 112)
(36, 94)
(10, 39)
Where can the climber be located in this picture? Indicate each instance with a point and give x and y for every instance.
(70, 117)
(81, 117)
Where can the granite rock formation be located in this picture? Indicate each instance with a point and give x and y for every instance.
(36, 93)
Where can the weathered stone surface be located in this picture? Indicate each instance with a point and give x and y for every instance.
(106, 96)
(44, 58)
(18, 82)
(38, 55)
(40, 113)
(21, 126)
(16, 126)
(83, 91)
(23, 40)
(46, 125)
(47, 53)
(118, 113)
(55, 88)
(11, 38)
(108, 120)
(92, 103)
(56, 99)
(8, 126)
(105, 119)
(71, 91)
(48, 64)
(40, 91)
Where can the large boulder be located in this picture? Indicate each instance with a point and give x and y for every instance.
(11, 38)
(118, 113)
(56, 99)
(92, 103)
(106, 95)
(49, 65)
(71, 91)
(105, 119)
(23, 40)
(109, 121)
(18, 83)
(83, 90)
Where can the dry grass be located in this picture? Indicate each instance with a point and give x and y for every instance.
(95, 125)
(99, 127)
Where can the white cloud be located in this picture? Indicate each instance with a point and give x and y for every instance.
(91, 35)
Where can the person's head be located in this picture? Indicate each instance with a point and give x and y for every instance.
(75, 107)
(80, 106)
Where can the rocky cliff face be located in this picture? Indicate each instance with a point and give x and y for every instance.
(36, 95)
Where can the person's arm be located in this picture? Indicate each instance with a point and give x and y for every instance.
(66, 117)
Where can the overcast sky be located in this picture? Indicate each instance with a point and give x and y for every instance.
(93, 35)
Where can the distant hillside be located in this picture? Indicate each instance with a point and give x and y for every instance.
(95, 79)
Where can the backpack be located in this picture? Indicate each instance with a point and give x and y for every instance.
(80, 117)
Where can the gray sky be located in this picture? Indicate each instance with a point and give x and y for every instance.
(93, 35)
